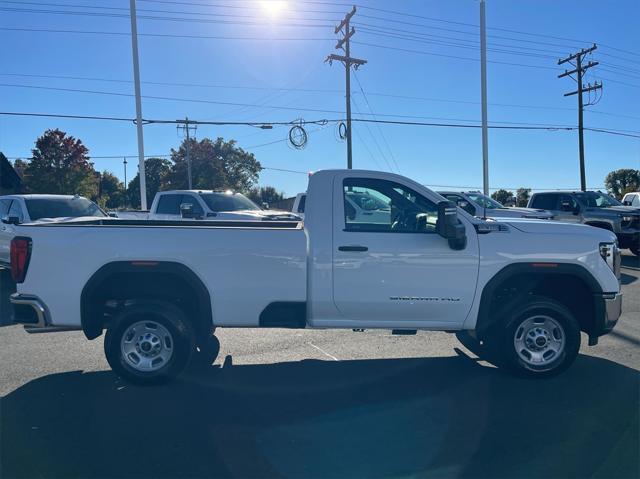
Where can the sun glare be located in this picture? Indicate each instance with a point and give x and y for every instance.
(273, 8)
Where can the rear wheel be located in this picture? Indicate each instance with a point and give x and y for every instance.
(542, 338)
(149, 343)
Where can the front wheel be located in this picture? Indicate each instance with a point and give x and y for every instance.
(542, 338)
(149, 343)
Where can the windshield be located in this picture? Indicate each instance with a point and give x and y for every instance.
(595, 199)
(62, 208)
(228, 202)
(484, 201)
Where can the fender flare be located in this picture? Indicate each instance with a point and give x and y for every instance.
(485, 321)
(92, 323)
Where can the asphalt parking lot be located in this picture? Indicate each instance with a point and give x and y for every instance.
(281, 403)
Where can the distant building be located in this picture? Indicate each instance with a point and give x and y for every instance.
(10, 181)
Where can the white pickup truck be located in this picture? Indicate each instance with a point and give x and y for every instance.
(208, 204)
(523, 289)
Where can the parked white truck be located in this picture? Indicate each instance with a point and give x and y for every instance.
(524, 289)
(209, 204)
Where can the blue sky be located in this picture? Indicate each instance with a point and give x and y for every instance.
(283, 60)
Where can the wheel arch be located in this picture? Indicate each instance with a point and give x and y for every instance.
(128, 280)
(600, 224)
(570, 284)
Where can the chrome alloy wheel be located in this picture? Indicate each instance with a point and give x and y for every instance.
(539, 340)
(146, 346)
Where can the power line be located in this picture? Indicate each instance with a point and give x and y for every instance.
(382, 135)
(310, 90)
(334, 120)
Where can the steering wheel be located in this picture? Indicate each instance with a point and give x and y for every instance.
(406, 220)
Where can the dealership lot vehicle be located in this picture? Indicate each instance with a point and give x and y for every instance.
(219, 205)
(477, 204)
(17, 209)
(511, 284)
(632, 199)
(595, 209)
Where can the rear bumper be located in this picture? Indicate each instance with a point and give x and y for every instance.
(31, 312)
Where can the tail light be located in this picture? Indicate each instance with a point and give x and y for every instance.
(20, 255)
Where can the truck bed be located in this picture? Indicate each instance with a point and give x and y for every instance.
(246, 265)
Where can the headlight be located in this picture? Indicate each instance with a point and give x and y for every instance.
(611, 255)
(627, 219)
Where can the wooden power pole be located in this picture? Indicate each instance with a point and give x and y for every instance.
(347, 61)
(579, 71)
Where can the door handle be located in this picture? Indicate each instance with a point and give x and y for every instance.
(353, 248)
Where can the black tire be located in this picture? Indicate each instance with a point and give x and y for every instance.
(526, 325)
(176, 340)
(206, 352)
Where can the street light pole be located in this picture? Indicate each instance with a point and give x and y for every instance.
(136, 80)
(483, 86)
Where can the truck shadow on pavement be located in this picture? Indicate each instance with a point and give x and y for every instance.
(442, 417)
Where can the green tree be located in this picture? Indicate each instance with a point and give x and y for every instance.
(502, 196)
(111, 193)
(60, 165)
(265, 194)
(622, 181)
(522, 197)
(214, 165)
(156, 172)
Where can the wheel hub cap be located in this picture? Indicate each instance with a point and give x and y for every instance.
(147, 346)
(539, 340)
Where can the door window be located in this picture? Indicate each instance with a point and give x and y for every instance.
(197, 209)
(545, 201)
(375, 205)
(4, 207)
(16, 210)
(568, 203)
(169, 205)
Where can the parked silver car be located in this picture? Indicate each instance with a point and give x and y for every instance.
(596, 209)
(477, 204)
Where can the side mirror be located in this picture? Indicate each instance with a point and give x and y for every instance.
(265, 206)
(567, 206)
(449, 226)
(186, 211)
(11, 220)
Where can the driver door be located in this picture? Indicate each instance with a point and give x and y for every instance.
(396, 269)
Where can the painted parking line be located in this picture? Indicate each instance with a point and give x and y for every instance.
(323, 351)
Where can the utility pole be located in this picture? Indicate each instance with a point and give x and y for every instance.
(579, 70)
(186, 129)
(347, 61)
(483, 86)
(136, 81)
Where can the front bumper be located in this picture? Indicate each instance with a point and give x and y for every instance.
(628, 239)
(612, 310)
(31, 312)
(608, 311)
